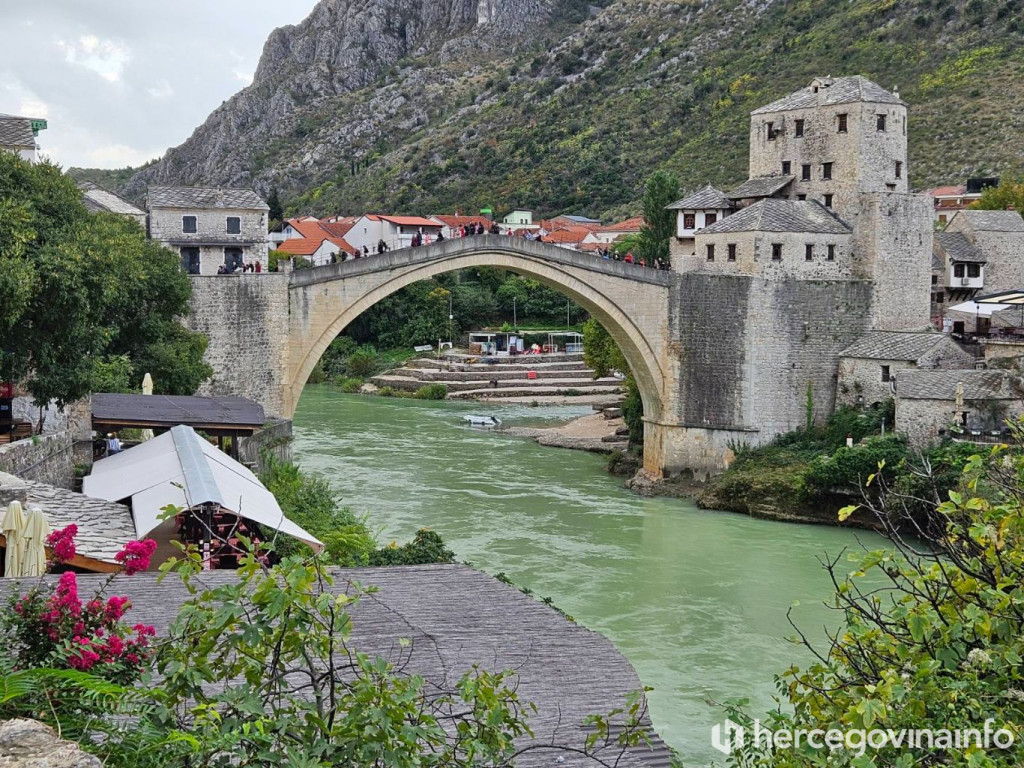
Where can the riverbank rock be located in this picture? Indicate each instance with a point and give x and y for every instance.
(30, 744)
(368, 389)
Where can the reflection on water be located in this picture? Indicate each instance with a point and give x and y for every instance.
(696, 600)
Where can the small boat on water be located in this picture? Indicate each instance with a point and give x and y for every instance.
(482, 421)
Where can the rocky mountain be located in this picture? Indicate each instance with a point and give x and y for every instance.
(422, 105)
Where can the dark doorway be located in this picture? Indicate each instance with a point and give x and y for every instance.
(233, 258)
(190, 261)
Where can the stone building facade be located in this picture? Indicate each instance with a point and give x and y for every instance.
(869, 366)
(998, 239)
(209, 227)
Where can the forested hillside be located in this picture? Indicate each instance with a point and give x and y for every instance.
(572, 113)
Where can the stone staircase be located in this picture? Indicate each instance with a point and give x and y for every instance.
(468, 377)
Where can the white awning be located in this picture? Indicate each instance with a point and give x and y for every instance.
(974, 308)
(182, 469)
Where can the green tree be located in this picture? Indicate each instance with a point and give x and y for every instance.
(1009, 194)
(933, 630)
(659, 223)
(79, 288)
(276, 213)
(601, 353)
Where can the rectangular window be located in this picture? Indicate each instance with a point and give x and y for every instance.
(940, 298)
(801, 197)
(899, 169)
(886, 373)
(841, 123)
(189, 225)
(798, 128)
(710, 218)
(880, 123)
(826, 171)
(935, 279)
(828, 201)
(974, 270)
(786, 167)
(234, 225)
(711, 251)
(233, 259)
(770, 131)
(190, 260)
(958, 270)
(809, 252)
(805, 173)
(831, 252)
(689, 220)
(776, 251)
(732, 251)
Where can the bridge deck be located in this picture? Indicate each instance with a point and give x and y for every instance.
(533, 250)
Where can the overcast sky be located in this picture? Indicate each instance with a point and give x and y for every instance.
(120, 81)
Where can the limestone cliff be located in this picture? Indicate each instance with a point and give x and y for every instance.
(342, 47)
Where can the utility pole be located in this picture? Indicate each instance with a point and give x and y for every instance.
(514, 323)
(567, 313)
(451, 321)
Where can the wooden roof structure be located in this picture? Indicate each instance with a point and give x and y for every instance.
(454, 616)
(213, 415)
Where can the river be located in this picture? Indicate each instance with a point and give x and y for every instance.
(696, 599)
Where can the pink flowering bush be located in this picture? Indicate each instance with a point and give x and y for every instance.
(53, 627)
(62, 545)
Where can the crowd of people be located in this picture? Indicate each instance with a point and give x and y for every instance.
(628, 258)
(253, 266)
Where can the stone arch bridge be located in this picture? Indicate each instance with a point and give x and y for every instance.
(719, 359)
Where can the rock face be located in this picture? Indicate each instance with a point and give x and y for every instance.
(343, 46)
(29, 744)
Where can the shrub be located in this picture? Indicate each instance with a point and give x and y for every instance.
(571, 392)
(348, 384)
(435, 391)
(363, 362)
(426, 548)
(849, 468)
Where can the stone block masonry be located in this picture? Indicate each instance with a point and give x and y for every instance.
(245, 318)
(44, 459)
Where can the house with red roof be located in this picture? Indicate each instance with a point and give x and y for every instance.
(320, 242)
(453, 223)
(573, 238)
(958, 197)
(396, 232)
(617, 231)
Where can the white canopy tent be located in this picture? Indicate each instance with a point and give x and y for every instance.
(974, 308)
(180, 468)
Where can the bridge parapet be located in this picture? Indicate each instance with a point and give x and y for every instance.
(447, 249)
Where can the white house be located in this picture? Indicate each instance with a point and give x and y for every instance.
(453, 224)
(396, 231)
(18, 134)
(694, 212)
(620, 229)
(519, 219)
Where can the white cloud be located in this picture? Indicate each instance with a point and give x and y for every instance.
(121, 81)
(106, 58)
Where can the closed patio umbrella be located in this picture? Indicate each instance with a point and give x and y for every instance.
(147, 389)
(36, 530)
(13, 528)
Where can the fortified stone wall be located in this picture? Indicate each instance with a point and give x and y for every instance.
(45, 459)
(245, 318)
(746, 350)
(754, 255)
(922, 420)
(276, 439)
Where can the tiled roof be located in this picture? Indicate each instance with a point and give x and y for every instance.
(832, 90)
(949, 191)
(96, 198)
(994, 221)
(410, 221)
(301, 246)
(942, 384)
(895, 345)
(771, 215)
(104, 527)
(957, 247)
(707, 198)
(452, 220)
(202, 197)
(442, 619)
(313, 229)
(16, 132)
(762, 186)
(634, 224)
(580, 219)
(567, 235)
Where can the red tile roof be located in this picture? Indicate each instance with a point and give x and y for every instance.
(567, 235)
(301, 246)
(950, 190)
(633, 224)
(315, 230)
(454, 220)
(410, 221)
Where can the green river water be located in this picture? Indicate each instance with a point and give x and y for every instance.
(695, 599)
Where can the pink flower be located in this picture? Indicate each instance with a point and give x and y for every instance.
(136, 556)
(62, 544)
(116, 607)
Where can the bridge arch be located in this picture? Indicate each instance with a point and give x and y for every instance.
(631, 302)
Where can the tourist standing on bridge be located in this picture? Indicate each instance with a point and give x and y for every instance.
(629, 257)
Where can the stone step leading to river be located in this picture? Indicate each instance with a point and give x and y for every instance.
(517, 386)
(422, 374)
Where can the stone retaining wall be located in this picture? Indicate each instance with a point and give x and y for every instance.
(45, 459)
(276, 438)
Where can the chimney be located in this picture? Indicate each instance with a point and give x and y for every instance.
(896, 91)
